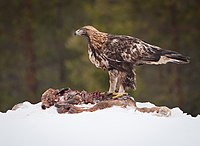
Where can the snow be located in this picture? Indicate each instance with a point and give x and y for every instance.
(31, 126)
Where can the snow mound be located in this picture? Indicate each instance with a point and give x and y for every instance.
(32, 126)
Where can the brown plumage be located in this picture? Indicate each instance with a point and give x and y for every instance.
(119, 54)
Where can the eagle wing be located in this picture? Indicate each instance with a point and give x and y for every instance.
(137, 52)
(124, 53)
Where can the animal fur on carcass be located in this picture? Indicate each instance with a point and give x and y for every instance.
(66, 101)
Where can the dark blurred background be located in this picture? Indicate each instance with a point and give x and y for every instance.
(38, 49)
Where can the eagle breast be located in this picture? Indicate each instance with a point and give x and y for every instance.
(98, 59)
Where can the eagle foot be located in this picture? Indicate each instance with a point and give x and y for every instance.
(118, 95)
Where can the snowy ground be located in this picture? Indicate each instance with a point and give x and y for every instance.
(32, 126)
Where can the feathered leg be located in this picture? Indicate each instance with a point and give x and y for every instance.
(113, 75)
(121, 84)
(121, 81)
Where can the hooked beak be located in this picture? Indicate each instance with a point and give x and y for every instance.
(79, 32)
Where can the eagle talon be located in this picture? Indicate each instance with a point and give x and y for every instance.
(118, 95)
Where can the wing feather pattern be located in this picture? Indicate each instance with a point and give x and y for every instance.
(132, 50)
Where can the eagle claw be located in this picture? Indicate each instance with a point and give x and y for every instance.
(118, 95)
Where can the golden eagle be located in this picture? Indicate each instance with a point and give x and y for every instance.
(120, 54)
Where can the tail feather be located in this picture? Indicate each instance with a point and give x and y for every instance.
(175, 57)
(158, 56)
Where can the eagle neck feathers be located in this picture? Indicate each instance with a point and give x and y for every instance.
(97, 40)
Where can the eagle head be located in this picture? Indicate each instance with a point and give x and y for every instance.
(85, 30)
